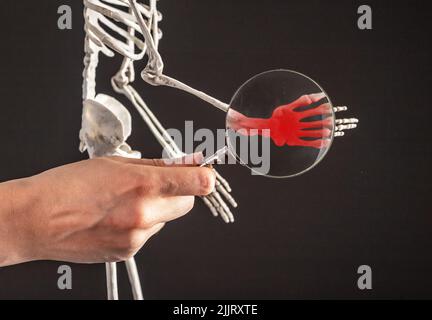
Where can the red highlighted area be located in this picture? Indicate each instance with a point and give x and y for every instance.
(290, 126)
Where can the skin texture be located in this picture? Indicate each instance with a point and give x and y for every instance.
(99, 210)
(288, 125)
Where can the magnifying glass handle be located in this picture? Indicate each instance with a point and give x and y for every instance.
(218, 157)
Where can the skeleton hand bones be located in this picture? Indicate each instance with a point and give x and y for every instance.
(295, 124)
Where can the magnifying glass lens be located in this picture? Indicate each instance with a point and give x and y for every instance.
(280, 124)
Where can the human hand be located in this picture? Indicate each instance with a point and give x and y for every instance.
(99, 210)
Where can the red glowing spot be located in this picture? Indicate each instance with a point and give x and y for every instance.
(289, 126)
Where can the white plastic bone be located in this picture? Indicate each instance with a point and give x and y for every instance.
(344, 124)
(106, 123)
(97, 20)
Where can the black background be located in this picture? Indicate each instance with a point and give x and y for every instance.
(368, 202)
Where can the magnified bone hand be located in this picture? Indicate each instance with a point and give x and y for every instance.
(306, 122)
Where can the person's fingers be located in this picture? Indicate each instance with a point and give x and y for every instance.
(194, 159)
(163, 210)
(185, 181)
(173, 181)
(188, 160)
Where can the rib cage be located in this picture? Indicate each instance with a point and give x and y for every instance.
(99, 16)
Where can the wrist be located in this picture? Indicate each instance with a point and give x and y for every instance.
(17, 205)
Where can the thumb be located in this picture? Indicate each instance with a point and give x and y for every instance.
(190, 160)
(194, 159)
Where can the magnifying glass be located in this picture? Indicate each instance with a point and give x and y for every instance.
(280, 124)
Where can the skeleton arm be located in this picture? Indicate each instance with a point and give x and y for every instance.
(153, 74)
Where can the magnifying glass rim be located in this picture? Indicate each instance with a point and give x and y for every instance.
(234, 154)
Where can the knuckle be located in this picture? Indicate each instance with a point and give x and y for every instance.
(142, 218)
(142, 191)
(207, 181)
(147, 184)
(169, 186)
(139, 215)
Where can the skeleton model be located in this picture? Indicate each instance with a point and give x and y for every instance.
(130, 29)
